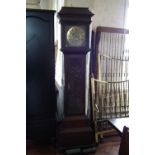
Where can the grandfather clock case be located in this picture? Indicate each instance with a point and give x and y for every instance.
(75, 130)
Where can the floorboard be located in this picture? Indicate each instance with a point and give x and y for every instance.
(108, 146)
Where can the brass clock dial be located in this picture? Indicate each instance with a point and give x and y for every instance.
(76, 36)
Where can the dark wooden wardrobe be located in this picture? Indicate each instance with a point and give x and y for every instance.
(40, 75)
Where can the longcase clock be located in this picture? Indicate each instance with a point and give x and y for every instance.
(75, 130)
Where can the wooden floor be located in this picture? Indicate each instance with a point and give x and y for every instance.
(109, 146)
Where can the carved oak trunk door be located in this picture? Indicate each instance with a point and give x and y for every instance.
(75, 130)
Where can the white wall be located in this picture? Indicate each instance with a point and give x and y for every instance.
(41, 4)
(79, 3)
(35, 4)
(110, 13)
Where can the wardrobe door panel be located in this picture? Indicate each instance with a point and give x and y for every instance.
(40, 73)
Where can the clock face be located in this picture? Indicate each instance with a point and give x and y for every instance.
(76, 36)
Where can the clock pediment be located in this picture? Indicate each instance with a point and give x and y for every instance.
(69, 14)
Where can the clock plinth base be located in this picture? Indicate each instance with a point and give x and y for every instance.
(75, 132)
